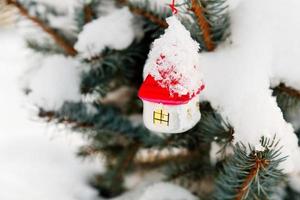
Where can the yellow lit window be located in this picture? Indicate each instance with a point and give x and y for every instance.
(160, 116)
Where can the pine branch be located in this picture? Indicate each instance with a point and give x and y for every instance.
(68, 48)
(51, 115)
(209, 27)
(102, 125)
(148, 15)
(259, 164)
(45, 48)
(85, 12)
(144, 13)
(287, 98)
(203, 24)
(88, 13)
(288, 90)
(122, 67)
(251, 174)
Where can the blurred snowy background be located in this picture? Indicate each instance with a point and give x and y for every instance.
(36, 161)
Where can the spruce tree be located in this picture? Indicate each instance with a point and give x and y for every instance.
(242, 171)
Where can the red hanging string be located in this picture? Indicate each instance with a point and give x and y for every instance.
(173, 8)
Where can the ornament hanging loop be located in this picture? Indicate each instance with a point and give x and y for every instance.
(173, 8)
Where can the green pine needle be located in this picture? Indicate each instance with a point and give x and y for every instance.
(251, 174)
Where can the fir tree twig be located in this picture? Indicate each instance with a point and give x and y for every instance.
(50, 116)
(162, 23)
(259, 164)
(287, 99)
(68, 48)
(250, 173)
(146, 14)
(108, 121)
(288, 90)
(88, 13)
(203, 23)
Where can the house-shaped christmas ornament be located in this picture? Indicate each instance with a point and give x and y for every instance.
(173, 82)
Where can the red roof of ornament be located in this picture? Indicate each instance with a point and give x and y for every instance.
(152, 91)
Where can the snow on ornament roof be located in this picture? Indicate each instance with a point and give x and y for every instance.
(173, 67)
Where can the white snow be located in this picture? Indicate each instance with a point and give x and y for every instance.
(166, 191)
(36, 163)
(173, 60)
(56, 80)
(238, 75)
(114, 31)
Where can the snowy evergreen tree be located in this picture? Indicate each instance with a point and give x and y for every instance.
(89, 62)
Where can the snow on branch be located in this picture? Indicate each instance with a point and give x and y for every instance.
(114, 31)
(55, 82)
(239, 74)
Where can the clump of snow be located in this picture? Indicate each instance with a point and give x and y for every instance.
(174, 61)
(56, 81)
(238, 75)
(113, 31)
(166, 191)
